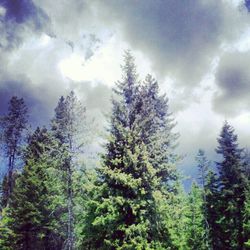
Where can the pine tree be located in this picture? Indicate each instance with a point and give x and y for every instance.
(12, 126)
(196, 224)
(4, 192)
(175, 211)
(203, 168)
(155, 124)
(28, 217)
(124, 212)
(213, 210)
(231, 187)
(69, 130)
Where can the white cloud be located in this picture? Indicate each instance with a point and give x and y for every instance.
(177, 41)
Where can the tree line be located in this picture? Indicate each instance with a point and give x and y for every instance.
(134, 199)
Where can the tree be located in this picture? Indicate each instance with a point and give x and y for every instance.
(175, 213)
(213, 210)
(196, 221)
(4, 192)
(155, 127)
(124, 212)
(231, 187)
(203, 168)
(69, 130)
(28, 219)
(13, 125)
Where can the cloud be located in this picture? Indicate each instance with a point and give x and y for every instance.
(247, 4)
(181, 38)
(41, 100)
(75, 23)
(233, 80)
(94, 96)
(21, 87)
(177, 39)
(18, 19)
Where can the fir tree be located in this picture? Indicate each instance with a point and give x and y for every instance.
(155, 124)
(124, 212)
(175, 212)
(28, 219)
(13, 125)
(231, 187)
(69, 130)
(196, 223)
(4, 192)
(213, 210)
(203, 168)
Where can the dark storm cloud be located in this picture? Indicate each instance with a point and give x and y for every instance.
(20, 19)
(40, 112)
(233, 80)
(42, 99)
(180, 37)
(247, 4)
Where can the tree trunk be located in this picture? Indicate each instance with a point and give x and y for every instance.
(10, 177)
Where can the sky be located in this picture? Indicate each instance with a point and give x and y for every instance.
(198, 50)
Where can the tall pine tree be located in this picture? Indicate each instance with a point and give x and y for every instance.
(12, 127)
(197, 237)
(231, 190)
(137, 166)
(69, 130)
(203, 168)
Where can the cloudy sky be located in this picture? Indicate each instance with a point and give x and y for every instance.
(198, 50)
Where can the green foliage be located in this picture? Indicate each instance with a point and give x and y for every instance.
(196, 221)
(28, 213)
(136, 170)
(175, 219)
(227, 194)
(69, 132)
(4, 192)
(6, 233)
(212, 209)
(13, 126)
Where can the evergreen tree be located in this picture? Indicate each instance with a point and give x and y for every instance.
(196, 224)
(124, 212)
(175, 211)
(155, 127)
(231, 187)
(213, 210)
(69, 130)
(12, 126)
(203, 168)
(28, 217)
(4, 192)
